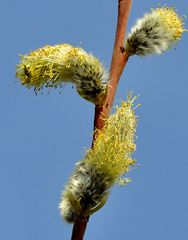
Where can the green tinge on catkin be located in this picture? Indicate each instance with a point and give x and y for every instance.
(155, 33)
(51, 66)
(110, 158)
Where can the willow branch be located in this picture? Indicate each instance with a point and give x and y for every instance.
(119, 60)
(79, 228)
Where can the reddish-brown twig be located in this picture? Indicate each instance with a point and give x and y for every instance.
(119, 60)
(79, 228)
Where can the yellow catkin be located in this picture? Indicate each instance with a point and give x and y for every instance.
(155, 33)
(115, 144)
(51, 66)
(40, 68)
(172, 21)
(104, 165)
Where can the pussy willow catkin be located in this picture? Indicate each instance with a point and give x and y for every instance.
(111, 156)
(51, 66)
(155, 33)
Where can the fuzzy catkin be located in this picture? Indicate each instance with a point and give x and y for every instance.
(51, 66)
(155, 33)
(85, 191)
(66, 209)
(88, 187)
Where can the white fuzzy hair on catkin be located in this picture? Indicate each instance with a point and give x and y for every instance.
(155, 33)
(66, 209)
(86, 190)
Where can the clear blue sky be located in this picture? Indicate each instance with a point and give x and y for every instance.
(42, 137)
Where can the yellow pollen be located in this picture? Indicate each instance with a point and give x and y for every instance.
(172, 21)
(113, 148)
